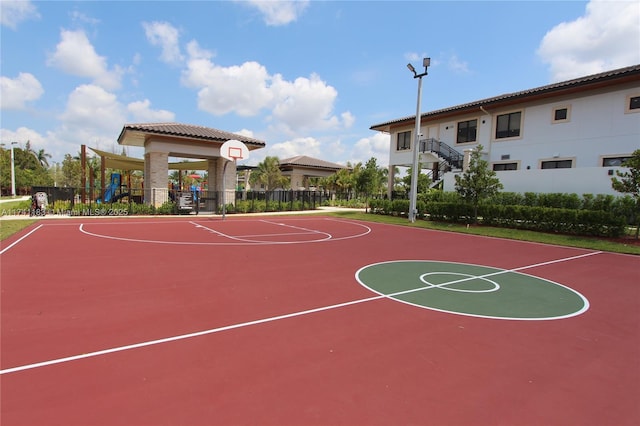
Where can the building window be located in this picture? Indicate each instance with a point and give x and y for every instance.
(561, 114)
(467, 131)
(404, 141)
(633, 103)
(614, 161)
(556, 164)
(508, 125)
(499, 167)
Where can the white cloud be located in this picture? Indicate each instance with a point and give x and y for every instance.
(458, 66)
(415, 58)
(93, 117)
(81, 18)
(13, 13)
(299, 146)
(376, 146)
(22, 135)
(347, 119)
(91, 108)
(55, 146)
(248, 90)
(76, 55)
(606, 37)
(239, 89)
(196, 52)
(276, 13)
(16, 92)
(167, 37)
(141, 112)
(245, 132)
(306, 103)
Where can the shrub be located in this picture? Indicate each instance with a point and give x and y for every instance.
(168, 207)
(243, 206)
(142, 209)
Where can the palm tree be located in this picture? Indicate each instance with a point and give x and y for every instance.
(344, 178)
(42, 158)
(268, 174)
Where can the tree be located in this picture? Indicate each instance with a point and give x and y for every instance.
(424, 181)
(477, 182)
(370, 179)
(269, 175)
(42, 157)
(629, 182)
(344, 180)
(28, 171)
(71, 172)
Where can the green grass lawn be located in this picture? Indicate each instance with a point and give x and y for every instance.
(603, 244)
(10, 227)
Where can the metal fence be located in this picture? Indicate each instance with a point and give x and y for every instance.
(198, 201)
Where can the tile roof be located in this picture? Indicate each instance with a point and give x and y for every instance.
(631, 73)
(189, 131)
(304, 161)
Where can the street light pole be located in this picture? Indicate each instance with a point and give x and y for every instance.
(13, 171)
(413, 195)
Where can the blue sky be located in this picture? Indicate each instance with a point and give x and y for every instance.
(307, 77)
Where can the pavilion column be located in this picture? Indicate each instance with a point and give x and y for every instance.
(212, 188)
(297, 181)
(215, 170)
(156, 178)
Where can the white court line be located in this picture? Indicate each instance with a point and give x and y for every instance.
(245, 239)
(264, 320)
(307, 230)
(484, 276)
(20, 239)
(237, 240)
(474, 277)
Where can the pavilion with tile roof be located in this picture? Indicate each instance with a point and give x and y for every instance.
(163, 140)
(300, 168)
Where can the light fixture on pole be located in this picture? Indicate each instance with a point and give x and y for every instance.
(413, 210)
(13, 171)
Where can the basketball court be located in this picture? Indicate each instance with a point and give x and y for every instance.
(311, 320)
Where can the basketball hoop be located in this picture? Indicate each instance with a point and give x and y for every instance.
(234, 150)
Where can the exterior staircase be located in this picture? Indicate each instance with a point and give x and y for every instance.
(450, 159)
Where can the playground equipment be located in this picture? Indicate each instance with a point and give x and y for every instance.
(39, 202)
(111, 194)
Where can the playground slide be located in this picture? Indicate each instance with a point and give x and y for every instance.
(109, 194)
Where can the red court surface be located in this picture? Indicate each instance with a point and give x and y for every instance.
(261, 321)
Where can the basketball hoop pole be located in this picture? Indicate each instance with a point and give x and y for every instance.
(231, 150)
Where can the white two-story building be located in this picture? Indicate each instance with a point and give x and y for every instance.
(565, 137)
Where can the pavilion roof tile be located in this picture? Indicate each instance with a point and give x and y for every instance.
(190, 131)
(305, 161)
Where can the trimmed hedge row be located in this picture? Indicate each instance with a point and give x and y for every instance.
(547, 219)
(259, 206)
(536, 218)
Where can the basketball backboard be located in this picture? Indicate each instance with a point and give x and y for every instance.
(234, 150)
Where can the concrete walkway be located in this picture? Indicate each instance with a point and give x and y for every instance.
(25, 215)
(19, 198)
